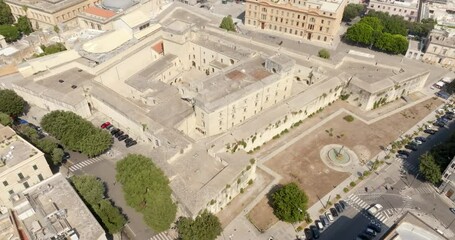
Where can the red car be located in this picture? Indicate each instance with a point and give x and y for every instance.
(105, 125)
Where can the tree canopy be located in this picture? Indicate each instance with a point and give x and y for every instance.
(76, 133)
(24, 25)
(5, 119)
(360, 33)
(92, 192)
(6, 18)
(147, 190)
(324, 53)
(206, 226)
(290, 203)
(228, 24)
(352, 10)
(11, 103)
(10, 33)
(429, 169)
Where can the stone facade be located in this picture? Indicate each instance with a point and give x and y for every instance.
(440, 48)
(407, 9)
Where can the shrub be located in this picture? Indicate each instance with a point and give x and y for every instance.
(352, 184)
(345, 189)
(338, 196)
(250, 182)
(348, 118)
(324, 53)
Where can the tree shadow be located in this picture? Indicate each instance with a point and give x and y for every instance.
(269, 195)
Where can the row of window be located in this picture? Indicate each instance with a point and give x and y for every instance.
(394, 9)
(276, 11)
(21, 176)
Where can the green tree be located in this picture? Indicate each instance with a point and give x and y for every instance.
(47, 145)
(228, 24)
(92, 192)
(206, 226)
(374, 22)
(429, 169)
(11, 103)
(324, 53)
(401, 44)
(10, 33)
(360, 33)
(6, 18)
(76, 133)
(5, 119)
(24, 25)
(352, 10)
(290, 203)
(147, 190)
(57, 155)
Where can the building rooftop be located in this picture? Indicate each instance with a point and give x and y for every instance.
(48, 6)
(411, 227)
(100, 12)
(403, 3)
(135, 18)
(8, 228)
(67, 87)
(443, 37)
(13, 149)
(53, 208)
(231, 84)
(223, 47)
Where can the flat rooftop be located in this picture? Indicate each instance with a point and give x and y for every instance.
(8, 229)
(222, 47)
(13, 149)
(411, 227)
(66, 87)
(48, 6)
(367, 72)
(233, 83)
(57, 209)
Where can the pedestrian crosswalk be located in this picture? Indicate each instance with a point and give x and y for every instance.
(83, 164)
(424, 188)
(162, 236)
(408, 166)
(360, 204)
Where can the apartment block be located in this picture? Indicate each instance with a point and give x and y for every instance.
(21, 166)
(440, 48)
(47, 13)
(408, 9)
(311, 20)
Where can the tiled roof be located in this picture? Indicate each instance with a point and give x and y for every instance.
(100, 12)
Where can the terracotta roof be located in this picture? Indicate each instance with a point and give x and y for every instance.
(100, 12)
(159, 48)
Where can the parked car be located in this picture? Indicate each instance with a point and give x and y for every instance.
(370, 232)
(308, 233)
(329, 216)
(430, 131)
(319, 225)
(132, 143)
(110, 127)
(105, 125)
(448, 116)
(422, 139)
(439, 124)
(443, 120)
(402, 156)
(338, 207)
(334, 212)
(315, 232)
(417, 142)
(118, 134)
(123, 137)
(324, 220)
(344, 204)
(66, 156)
(452, 210)
(410, 147)
(375, 227)
(114, 131)
(128, 140)
(403, 152)
(450, 113)
(364, 237)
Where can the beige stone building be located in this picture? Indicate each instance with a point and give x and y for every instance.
(312, 20)
(408, 9)
(47, 14)
(440, 48)
(21, 166)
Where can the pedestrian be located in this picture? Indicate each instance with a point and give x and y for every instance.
(115, 182)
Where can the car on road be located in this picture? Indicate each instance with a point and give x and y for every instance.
(334, 212)
(338, 207)
(329, 216)
(308, 233)
(375, 227)
(324, 220)
(403, 152)
(374, 209)
(430, 131)
(105, 125)
(452, 210)
(411, 147)
(422, 139)
(315, 232)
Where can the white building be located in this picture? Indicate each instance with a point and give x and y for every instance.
(408, 9)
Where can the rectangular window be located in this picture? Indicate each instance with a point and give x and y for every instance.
(20, 175)
(26, 185)
(11, 192)
(5, 183)
(40, 177)
(35, 167)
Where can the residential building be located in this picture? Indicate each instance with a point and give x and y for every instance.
(21, 167)
(53, 210)
(311, 20)
(440, 48)
(408, 9)
(441, 11)
(448, 181)
(47, 14)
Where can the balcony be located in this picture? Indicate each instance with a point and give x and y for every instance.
(24, 179)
